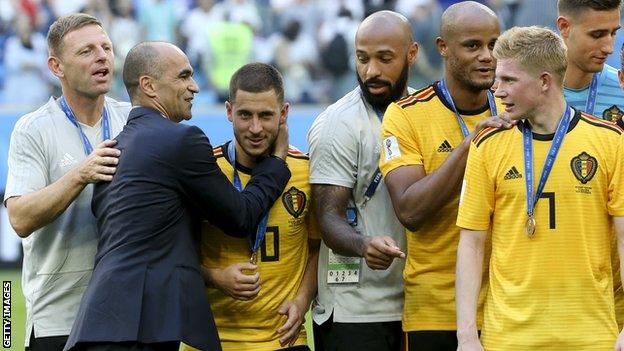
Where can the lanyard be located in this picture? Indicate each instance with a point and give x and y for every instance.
(372, 187)
(527, 137)
(72, 118)
(460, 120)
(260, 232)
(590, 104)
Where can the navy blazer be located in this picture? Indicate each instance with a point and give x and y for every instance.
(146, 284)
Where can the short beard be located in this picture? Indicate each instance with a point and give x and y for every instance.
(461, 76)
(381, 102)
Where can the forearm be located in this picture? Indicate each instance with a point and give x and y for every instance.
(32, 211)
(339, 236)
(429, 194)
(468, 282)
(307, 289)
(330, 203)
(210, 276)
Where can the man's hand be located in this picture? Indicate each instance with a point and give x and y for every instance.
(500, 121)
(619, 343)
(296, 317)
(101, 163)
(280, 147)
(234, 282)
(380, 251)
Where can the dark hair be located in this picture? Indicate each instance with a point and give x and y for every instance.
(256, 78)
(576, 6)
(141, 60)
(63, 25)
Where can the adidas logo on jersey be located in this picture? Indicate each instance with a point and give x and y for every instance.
(513, 174)
(445, 147)
(67, 160)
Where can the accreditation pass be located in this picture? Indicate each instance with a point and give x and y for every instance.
(343, 269)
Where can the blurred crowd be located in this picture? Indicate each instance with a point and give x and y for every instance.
(309, 41)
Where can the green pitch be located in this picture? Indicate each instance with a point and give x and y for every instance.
(18, 308)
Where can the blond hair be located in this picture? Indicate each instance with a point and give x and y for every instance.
(62, 26)
(537, 50)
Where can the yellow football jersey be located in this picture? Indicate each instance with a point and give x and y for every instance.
(553, 291)
(252, 325)
(426, 130)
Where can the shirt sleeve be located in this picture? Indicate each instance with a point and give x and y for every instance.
(399, 144)
(208, 189)
(27, 171)
(476, 202)
(334, 149)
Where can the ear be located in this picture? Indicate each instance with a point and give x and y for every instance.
(563, 25)
(412, 53)
(442, 48)
(229, 109)
(54, 65)
(284, 113)
(621, 78)
(546, 80)
(146, 85)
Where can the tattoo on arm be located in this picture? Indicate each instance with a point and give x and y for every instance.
(330, 203)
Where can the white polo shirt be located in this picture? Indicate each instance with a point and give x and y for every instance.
(344, 150)
(58, 258)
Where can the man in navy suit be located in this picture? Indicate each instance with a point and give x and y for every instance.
(146, 292)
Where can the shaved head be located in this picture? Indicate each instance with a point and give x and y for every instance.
(462, 14)
(384, 49)
(145, 59)
(386, 23)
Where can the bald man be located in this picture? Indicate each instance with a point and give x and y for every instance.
(147, 292)
(425, 138)
(360, 295)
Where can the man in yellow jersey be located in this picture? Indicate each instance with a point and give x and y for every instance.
(260, 290)
(588, 28)
(425, 138)
(551, 192)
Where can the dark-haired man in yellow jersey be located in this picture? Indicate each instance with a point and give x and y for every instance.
(426, 137)
(551, 193)
(260, 290)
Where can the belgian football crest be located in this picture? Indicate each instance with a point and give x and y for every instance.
(612, 114)
(294, 201)
(584, 167)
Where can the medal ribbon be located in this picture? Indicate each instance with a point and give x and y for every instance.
(72, 118)
(261, 231)
(372, 187)
(460, 120)
(590, 104)
(527, 137)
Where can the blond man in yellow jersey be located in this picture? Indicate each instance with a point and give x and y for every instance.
(551, 285)
(425, 139)
(259, 303)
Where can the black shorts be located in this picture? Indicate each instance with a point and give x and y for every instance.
(431, 340)
(379, 336)
(47, 343)
(296, 348)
